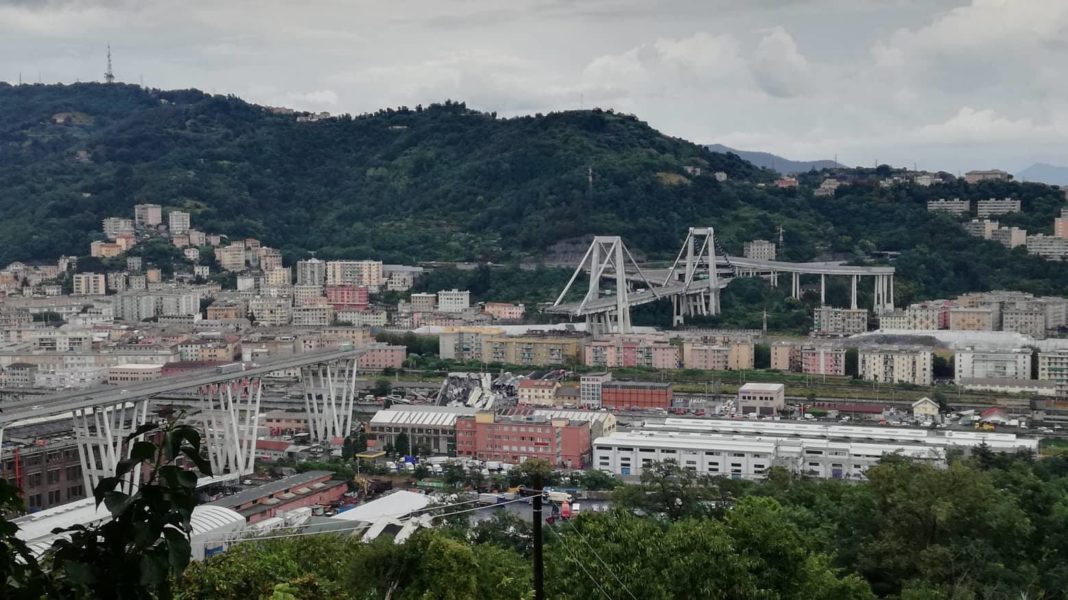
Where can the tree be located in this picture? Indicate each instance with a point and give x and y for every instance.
(145, 544)
(401, 445)
(382, 387)
(347, 449)
(669, 490)
(421, 471)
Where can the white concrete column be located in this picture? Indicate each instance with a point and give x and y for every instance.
(853, 296)
(823, 289)
(892, 292)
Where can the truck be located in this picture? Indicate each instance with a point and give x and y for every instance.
(230, 368)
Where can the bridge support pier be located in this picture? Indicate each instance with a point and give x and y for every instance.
(329, 395)
(230, 418)
(100, 433)
(823, 289)
(795, 290)
(853, 294)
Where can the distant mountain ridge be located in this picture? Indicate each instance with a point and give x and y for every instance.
(776, 163)
(1043, 173)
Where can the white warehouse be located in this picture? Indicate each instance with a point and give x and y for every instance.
(743, 449)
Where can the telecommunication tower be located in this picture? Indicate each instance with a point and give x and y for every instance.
(109, 75)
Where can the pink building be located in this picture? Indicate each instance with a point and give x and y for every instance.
(513, 439)
(504, 311)
(823, 361)
(343, 297)
(382, 356)
(620, 351)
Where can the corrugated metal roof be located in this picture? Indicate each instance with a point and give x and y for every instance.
(417, 417)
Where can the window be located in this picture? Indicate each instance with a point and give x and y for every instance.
(53, 476)
(54, 497)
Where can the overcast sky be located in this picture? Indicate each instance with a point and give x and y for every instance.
(944, 84)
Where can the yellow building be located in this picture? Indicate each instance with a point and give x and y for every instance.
(536, 350)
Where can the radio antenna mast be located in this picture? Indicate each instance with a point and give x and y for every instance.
(109, 75)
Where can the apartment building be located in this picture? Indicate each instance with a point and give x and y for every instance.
(785, 356)
(99, 249)
(956, 206)
(454, 301)
(270, 259)
(539, 392)
(232, 257)
(504, 311)
(823, 360)
(304, 295)
(993, 207)
(1010, 237)
(90, 284)
(620, 351)
(1027, 319)
(312, 315)
(831, 321)
(917, 317)
(983, 228)
(963, 318)
(423, 302)
(1060, 226)
(590, 389)
(1050, 247)
(347, 297)
(719, 355)
(759, 250)
(972, 363)
(116, 226)
(355, 272)
(531, 349)
(378, 357)
(895, 365)
(311, 272)
(148, 215)
(277, 277)
(177, 222)
(268, 311)
(1053, 366)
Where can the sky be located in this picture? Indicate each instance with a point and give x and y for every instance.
(939, 84)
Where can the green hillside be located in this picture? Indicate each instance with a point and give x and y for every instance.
(443, 182)
(448, 183)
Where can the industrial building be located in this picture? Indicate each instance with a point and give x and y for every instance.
(745, 449)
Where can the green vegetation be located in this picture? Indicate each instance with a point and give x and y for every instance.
(989, 527)
(139, 551)
(447, 183)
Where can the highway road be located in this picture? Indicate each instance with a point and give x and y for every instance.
(43, 406)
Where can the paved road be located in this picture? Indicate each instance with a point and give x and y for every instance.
(107, 395)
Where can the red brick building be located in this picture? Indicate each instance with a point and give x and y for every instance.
(513, 439)
(347, 297)
(625, 395)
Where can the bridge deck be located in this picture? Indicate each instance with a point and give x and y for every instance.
(110, 395)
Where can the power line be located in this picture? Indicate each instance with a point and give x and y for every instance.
(582, 566)
(598, 556)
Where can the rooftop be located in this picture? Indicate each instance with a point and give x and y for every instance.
(271, 488)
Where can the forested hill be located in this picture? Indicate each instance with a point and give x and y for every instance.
(448, 183)
(441, 182)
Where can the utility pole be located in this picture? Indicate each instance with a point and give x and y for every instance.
(539, 561)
